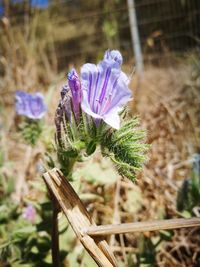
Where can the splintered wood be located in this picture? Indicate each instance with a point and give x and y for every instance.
(78, 218)
(142, 226)
(92, 236)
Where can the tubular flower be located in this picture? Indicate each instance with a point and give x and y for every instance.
(88, 107)
(30, 105)
(105, 89)
(71, 96)
(75, 87)
(69, 105)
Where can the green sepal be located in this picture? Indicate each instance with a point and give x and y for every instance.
(91, 147)
(69, 154)
(125, 147)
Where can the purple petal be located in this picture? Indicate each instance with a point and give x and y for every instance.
(76, 90)
(105, 85)
(74, 83)
(22, 103)
(30, 105)
(97, 81)
(85, 105)
(89, 80)
(120, 94)
(37, 106)
(114, 58)
(105, 88)
(29, 214)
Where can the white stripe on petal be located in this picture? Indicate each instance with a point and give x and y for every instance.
(113, 119)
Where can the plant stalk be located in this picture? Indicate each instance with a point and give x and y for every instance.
(157, 225)
(55, 234)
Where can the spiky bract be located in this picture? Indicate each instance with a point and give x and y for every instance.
(125, 148)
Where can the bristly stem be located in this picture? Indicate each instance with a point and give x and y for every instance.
(55, 234)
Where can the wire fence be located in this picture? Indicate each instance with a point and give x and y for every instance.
(167, 28)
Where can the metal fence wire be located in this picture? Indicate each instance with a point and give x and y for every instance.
(81, 28)
(168, 26)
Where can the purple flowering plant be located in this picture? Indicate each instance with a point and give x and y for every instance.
(32, 108)
(30, 105)
(30, 214)
(91, 113)
(105, 89)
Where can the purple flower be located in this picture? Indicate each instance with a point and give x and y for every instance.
(69, 105)
(105, 88)
(71, 96)
(75, 87)
(29, 213)
(30, 105)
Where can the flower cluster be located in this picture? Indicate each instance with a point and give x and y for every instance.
(89, 113)
(33, 109)
(101, 91)
(30, 105)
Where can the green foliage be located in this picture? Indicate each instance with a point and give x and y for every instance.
(27, 244)
(73, 141)
(1, 158)
(23, 243)
(189, 193)
(147, 249)
(31, 131)
(147, 252)
(97, 173)
(124, 147)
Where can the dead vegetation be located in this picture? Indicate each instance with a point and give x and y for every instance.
(169, 108)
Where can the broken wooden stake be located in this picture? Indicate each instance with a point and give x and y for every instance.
(92, 236)
(79, 218)
(141, 226)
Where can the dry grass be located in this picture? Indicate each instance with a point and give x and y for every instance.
(169, 108)
(169, 111)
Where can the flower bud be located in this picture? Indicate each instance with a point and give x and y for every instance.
(76, 91)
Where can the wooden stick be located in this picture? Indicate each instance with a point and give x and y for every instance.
(79, 218)
(141, 226)
(85, 228)
(55, 234)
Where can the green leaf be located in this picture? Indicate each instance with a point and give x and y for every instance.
(70, 154)
(91, 147)
(1, 159)
(134, 200)
(98, 173)
(25, 231)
